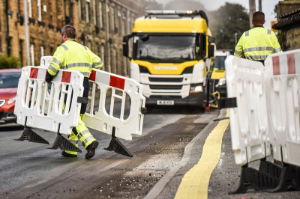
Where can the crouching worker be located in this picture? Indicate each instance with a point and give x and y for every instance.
(71, 55)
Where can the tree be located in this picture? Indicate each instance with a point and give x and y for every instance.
(184, 5)
(227, 21)
(9, 62)
(153, 5)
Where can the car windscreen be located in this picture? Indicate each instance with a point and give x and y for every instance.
(164, 48)
(9, 80)
(220, 62)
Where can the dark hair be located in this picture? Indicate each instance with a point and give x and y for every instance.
(69, 31)
(259, 17)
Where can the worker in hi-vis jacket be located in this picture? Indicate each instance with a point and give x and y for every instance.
(258, 42)
(71, 55)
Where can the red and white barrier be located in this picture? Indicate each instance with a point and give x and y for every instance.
(45, 61)
(283, 87)
(54, 107)
(51, 107)
(110, 93)
(248, 122)
(267, 118)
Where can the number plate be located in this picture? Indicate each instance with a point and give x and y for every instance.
(165, 102)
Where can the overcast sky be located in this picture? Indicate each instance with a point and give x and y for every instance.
(268, 6)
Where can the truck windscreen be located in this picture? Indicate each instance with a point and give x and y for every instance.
(166, 48)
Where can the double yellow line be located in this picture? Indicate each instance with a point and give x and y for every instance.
(195, 182)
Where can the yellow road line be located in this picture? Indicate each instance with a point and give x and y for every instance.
(194, 183)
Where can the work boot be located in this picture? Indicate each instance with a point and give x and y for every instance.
(68, 155)
(91, 150)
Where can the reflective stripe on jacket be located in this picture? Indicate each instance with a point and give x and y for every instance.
(256, 44)
(73, 56)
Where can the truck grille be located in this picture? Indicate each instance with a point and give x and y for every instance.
(164, 79)
(166, 87)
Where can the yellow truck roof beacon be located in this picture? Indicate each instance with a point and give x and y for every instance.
(168, 51)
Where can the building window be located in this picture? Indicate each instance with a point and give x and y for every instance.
(68, 11)
(128, 22)
(87, 11)
(112, 20)
(107, 18)
(94, 6)
(100, 14)
(39, 7)
(19, 6)
(29, 9)
(32, 54)
(81, 9)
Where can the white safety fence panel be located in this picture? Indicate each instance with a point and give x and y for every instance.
(45, 61)
(51, 107)
(283, 80)
(115, 101)
(248, 122)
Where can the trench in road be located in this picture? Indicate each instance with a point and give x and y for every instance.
(117, 176)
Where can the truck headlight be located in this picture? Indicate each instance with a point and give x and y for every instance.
(196, 89)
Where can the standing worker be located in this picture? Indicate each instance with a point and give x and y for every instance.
(73, 56)
(257, 43)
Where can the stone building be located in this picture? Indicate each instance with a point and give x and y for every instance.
(288, 14)
(100, 25)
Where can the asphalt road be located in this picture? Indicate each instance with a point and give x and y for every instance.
(172, 145)
(30, 170)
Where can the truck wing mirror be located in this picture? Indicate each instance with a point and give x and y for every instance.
(126, 45)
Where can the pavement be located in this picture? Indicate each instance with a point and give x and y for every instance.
(208, 169)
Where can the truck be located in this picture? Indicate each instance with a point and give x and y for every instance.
(169, 54)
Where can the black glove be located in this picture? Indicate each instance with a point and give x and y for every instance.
(49, 77)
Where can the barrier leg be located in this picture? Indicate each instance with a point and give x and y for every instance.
(266, 178)
(289, 179)
(243, 184)
(31, 136)
(63, 143)
(116, 146)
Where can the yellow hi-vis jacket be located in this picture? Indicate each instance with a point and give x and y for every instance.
(256, 44)
(73, 56)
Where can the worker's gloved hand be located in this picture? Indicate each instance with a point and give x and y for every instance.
(49, 77)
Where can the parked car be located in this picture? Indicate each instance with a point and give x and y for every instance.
(9, 79)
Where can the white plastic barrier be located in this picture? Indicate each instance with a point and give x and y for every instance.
(51, 107)
(45, 61)
(248, 122)
(110, 93)
(283, 81)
